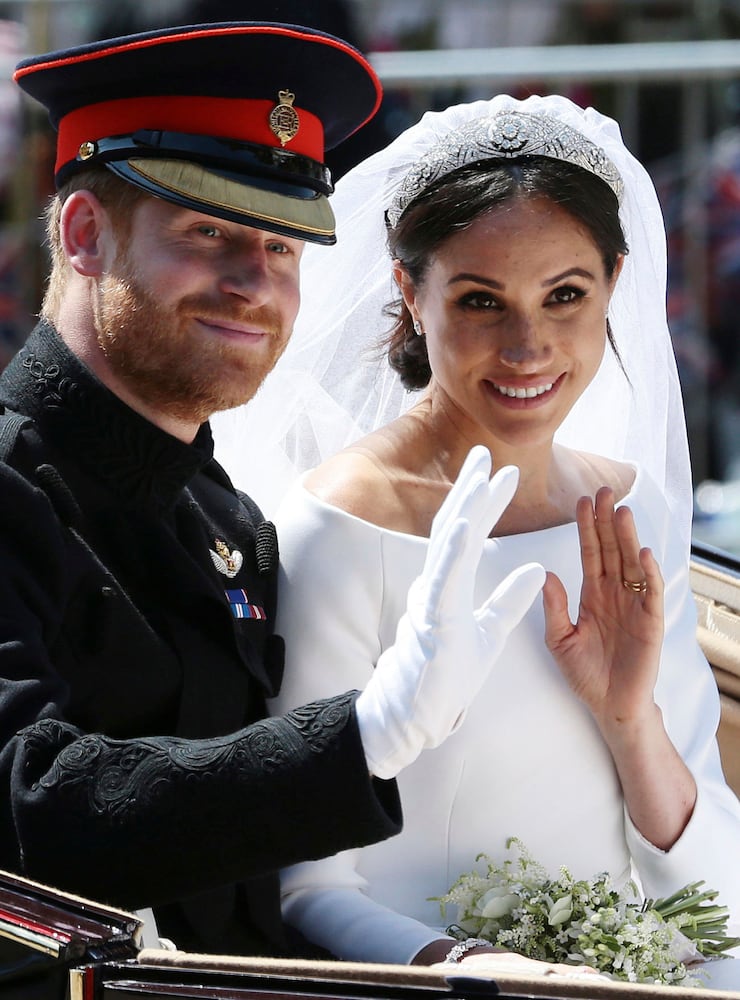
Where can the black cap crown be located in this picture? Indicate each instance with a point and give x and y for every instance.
(229, 119)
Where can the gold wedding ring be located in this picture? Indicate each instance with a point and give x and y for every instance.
(637, 588)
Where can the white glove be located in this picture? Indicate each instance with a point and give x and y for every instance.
(422, 685)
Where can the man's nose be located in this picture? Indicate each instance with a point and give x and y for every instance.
(247, 275)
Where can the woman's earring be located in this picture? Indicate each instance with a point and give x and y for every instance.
(418, 329)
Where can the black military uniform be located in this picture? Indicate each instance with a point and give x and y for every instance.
(137, 597)
(138, 588)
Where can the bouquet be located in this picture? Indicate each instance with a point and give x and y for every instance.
(587, 921)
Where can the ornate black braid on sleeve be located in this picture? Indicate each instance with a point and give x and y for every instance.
(112, 775)
(319, 729)
(112, 779)
(200, 812)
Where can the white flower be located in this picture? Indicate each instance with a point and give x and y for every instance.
(497, 903)
(560, 911)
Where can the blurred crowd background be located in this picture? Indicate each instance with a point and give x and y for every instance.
(668, 70)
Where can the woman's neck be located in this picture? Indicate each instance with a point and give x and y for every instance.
(551, 477)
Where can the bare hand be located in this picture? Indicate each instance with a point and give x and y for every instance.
(610, 657)
(491, 964)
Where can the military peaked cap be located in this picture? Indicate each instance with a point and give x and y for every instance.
(228, 119)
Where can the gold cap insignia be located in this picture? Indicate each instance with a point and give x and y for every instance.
(284, 121)
(86, 150)
(228, 563)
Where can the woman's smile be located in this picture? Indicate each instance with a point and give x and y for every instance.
(532, 394)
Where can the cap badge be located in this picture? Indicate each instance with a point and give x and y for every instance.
(86, 150)
(228, 563)
(284, 121)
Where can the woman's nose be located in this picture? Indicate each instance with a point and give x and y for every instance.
(524, 343)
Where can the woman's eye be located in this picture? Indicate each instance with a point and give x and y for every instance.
(567, 294)
(479, 300)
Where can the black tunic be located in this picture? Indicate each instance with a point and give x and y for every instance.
(137, 599)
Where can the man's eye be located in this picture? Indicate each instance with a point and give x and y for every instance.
(208, 230)
(277, 247)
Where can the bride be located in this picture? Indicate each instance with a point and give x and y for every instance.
(526, 284)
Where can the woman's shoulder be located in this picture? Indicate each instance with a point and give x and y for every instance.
(360, 480)
(348, 479)
(595, 471)
(372, 481)
(320, 518)
(634, 487)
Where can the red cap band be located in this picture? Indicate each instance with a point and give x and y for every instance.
(222, 117)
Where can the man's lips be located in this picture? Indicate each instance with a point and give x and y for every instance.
(234, 328)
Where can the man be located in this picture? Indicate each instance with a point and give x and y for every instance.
(138, 588)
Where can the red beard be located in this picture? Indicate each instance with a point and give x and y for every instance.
(166, 361)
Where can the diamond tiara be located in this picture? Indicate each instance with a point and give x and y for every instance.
(504, 136)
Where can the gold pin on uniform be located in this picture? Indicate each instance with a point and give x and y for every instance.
(228, 563)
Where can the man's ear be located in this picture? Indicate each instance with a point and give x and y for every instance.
(86, 234)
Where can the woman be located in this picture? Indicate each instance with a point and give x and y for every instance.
(593, 739)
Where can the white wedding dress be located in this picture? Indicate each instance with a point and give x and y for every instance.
(528, 760)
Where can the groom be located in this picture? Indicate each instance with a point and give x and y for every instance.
(138, 590)
(138, 587)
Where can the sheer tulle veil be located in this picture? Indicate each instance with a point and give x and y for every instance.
(333, 384)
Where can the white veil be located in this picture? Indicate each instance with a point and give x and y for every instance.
(333, 385)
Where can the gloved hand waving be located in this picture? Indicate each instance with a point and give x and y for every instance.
(445, 647)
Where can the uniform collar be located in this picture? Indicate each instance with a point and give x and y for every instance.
(86, 421)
